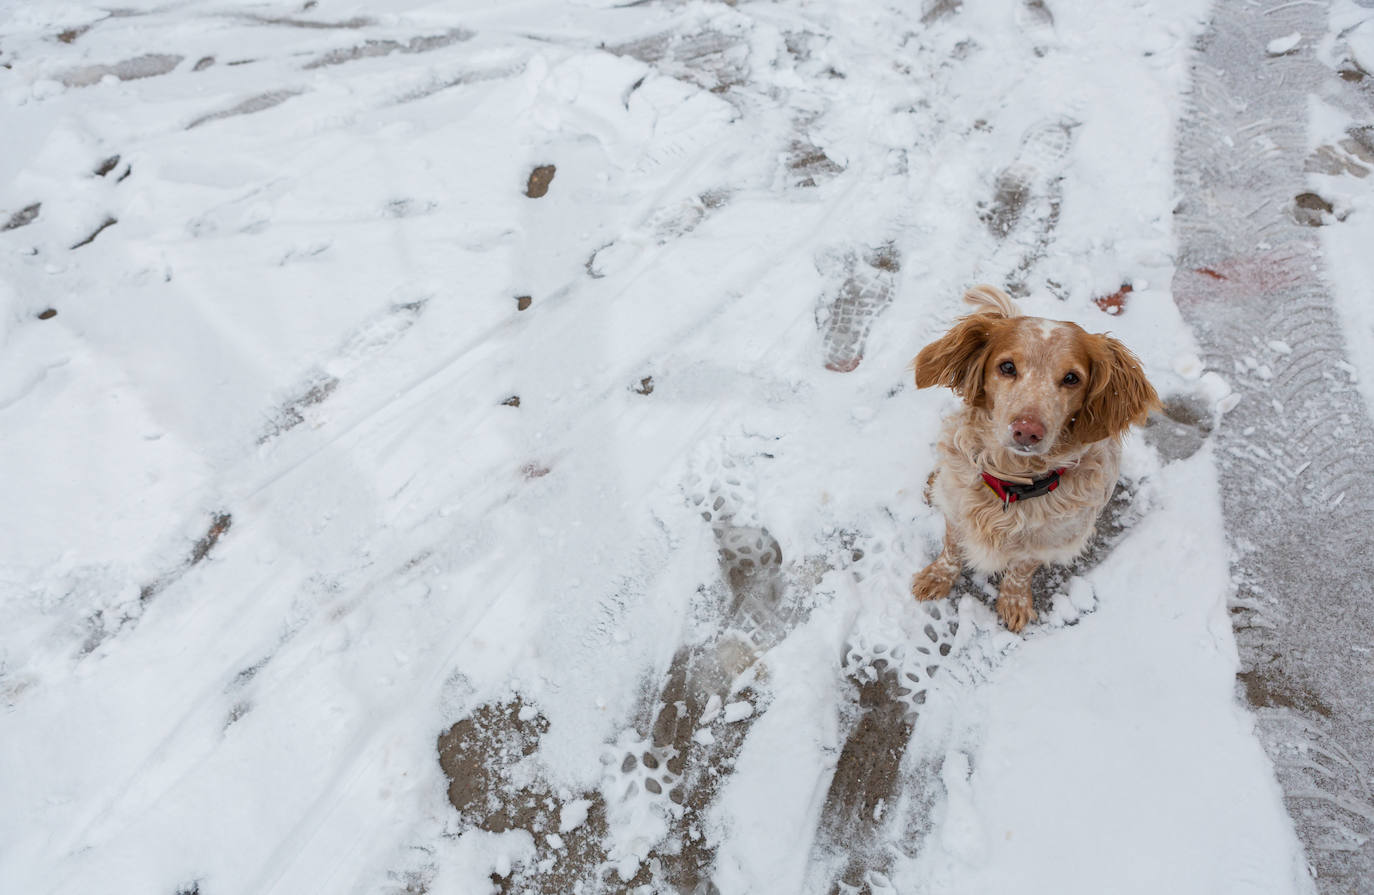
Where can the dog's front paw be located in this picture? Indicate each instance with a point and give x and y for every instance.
(934, 581)
(1015, 611)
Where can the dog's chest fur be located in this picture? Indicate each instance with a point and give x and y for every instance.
(1051, 528)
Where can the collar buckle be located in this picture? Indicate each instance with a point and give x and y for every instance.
(1011, 492)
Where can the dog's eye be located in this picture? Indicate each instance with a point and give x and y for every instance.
(1071, 379)
(1007, 367)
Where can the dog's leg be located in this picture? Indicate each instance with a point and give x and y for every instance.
(1014, 595)
(935, 580)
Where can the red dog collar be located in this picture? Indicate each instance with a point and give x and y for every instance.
(1011, 492)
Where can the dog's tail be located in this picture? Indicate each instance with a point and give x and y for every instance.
(991, 301)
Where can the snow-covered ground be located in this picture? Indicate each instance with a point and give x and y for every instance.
(464, 447)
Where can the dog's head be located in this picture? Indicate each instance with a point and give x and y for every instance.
(1047, 385)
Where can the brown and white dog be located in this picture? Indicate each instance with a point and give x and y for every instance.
(1024, 468)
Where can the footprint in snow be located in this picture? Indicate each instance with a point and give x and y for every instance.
(1033, 173)
(807, 164)
(1036, 21)
(672, 765)
(889, 676)
(1023, 212)
(867, 281)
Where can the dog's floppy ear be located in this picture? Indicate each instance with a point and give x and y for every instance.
(1119, 395)
(956, 359)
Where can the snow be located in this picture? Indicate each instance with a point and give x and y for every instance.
(573, 815)
(1188, 366)
(1331, 126)
(304, 322)
(1280, 45)
(1351, 21)
(737, 711)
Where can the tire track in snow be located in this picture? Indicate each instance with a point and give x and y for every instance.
(1248, 281)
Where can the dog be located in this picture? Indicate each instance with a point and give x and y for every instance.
(1027, 464)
